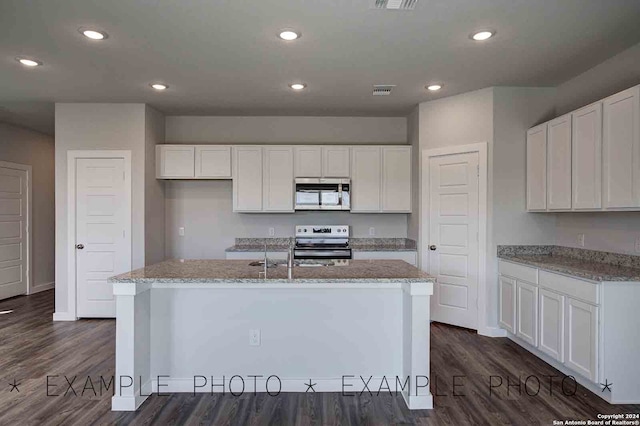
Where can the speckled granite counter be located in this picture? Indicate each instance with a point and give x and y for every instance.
(357, 244)
(588, 264)
(239, 271)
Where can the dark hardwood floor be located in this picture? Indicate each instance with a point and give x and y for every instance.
(33, 347)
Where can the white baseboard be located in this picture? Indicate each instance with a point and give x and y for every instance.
(63, 316)
(42, 287)
(492, 332)
(131, 403)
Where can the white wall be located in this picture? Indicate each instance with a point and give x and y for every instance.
(102, 127)
(204, 209)
(294, 130)
(154, 226)
(22, 146)
(614, 232)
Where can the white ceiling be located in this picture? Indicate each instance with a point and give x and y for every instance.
(222, 57)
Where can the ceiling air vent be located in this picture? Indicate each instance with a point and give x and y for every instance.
(395, 4)
(383, 89)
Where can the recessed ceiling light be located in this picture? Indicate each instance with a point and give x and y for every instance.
(434, 87)
(29, 62)
(159, 86)
(289, 35)
(297, 86)
(483, 35)
(93, 34)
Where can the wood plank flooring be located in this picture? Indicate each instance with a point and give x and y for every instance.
(33, 347)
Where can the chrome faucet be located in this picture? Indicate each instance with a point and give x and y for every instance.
(290, 256)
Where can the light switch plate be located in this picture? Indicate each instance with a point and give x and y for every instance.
(181, 231)
(637, 245)
(272, 232)
(254, 337)
(581, 240)
(372, 231)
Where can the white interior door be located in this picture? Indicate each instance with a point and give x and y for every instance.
(103, 246)
(14, 232)
(453, 238)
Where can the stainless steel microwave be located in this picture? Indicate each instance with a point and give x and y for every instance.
(322, 194)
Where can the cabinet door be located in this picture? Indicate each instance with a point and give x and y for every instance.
(308, 161)
(278, 179)
(396, 179)
(586, 160)
(552, 324)
(213, 162)
(581, 338)
(365, 179)
(527, 313)
(247, 179)
(537, 168)
(559, 163)
(507, 313)
(621, 149)
(175, 161)
(335, 161)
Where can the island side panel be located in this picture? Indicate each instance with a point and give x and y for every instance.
(327, 335)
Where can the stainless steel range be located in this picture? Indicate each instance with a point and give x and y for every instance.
(322, 242)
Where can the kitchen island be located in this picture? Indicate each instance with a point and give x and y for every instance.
(217, 326)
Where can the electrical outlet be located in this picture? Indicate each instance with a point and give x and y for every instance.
(372, 231)
(272, 232)
(638, 245)
(181, 231)
(581, 240)
(254, 337)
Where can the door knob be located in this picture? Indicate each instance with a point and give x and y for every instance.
(432, 247)
(79, 246)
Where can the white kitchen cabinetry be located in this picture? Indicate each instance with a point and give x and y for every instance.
(247, 179)
(559, 163)
(621, 150)
(278, 179)
(581, 341)
(537, 168)
(551, 324)
(396, 179)
(527, 313)
(175, 161)
(335, 161)
(586, 160)
(507, 307)
(308, 161)
(213, 162)
(583, 328)
(366, 179)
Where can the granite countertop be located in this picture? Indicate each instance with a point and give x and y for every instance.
(588, 264)
(357, 244)
(239, 271)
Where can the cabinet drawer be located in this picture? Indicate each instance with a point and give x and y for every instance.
(572, 287)
(524, 273)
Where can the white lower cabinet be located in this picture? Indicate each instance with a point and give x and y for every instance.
(581, 341)
(507, 310)
(551, 340)
(527, 313)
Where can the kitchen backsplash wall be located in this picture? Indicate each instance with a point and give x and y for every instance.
(204, 209)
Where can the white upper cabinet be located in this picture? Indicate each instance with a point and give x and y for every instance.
(537, 168)
(308, 161)
(396, 179)
(247, 179)
(278, 179)
(175, 161)
(559, 163)
(586, 162)
(621, 150)
(213, 162)
(366, 178)
(335, 161)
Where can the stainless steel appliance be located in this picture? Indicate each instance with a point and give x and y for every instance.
(322, 242)
(322, 194)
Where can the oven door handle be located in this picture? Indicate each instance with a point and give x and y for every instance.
(322, 253)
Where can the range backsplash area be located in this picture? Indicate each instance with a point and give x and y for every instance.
(204, 209)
